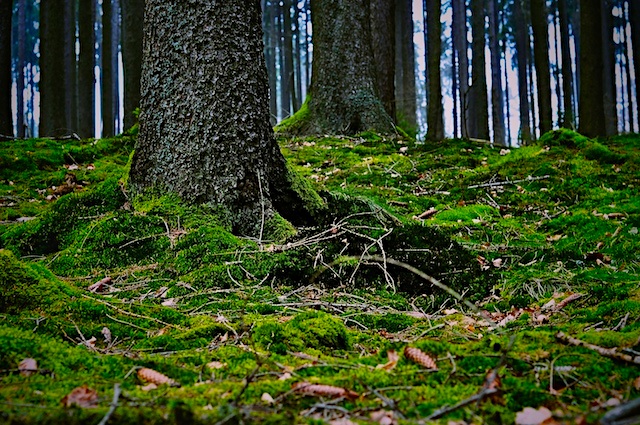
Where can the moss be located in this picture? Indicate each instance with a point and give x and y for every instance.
(278, 229)
(311, 201)
(293, 125)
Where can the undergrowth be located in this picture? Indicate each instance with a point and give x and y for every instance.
(96, 284)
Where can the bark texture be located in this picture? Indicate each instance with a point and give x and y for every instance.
(132, 35)
(384, 51)
(405, 64)
(521, 39)
(86, 68)
(108, 121)
(539, 24)
(591, 106)
(204, 128)
(6, 121)
(497, 97)
(479, 100)
(22, 44)
(459, 35)
(435, 123)
(568, 120)
(342, 98)
(634, 19)
(52, 92)
(70, 66)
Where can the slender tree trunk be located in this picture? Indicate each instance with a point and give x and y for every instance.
(627, 48)
(288, 82)
(406, 98)
(454, 87)
(308, 44)
(70, 63)
(634, 19)
(459, 34)
(132, 34)
(6, 120)
(435, 123)
(52, 93)
(609, 69)
(297, 59)
(342, 97)
(20, 86)
(115, 64)
(522, 43)
(568, 120)
(479, 102)
(504, 29)
(497, 96)
(556, 68)
(539, 23)
(186, 143)
(383, 42)
(270, 57)
(591, 107)
(108, 120)
(86, 68)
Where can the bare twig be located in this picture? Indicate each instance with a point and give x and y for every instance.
(506, 182)
(612, 353)
(128, 313)
(114, 405)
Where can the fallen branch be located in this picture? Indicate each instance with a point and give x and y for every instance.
(114, 404)
(506, 182)
(627, 413)
(612, 353)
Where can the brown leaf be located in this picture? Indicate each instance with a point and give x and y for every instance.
(83, 397)
(636, 383)
(531, 416)
(154, 377)
(393, 361)
(28, 367)
(319, 390)
(420, 357)
(383, 417)
(100, 286)
(428, 213)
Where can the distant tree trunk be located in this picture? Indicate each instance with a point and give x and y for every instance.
(115, 64)
(270, 57)
(132, 34)
(383, 42)
(435, 124)
(503, 28)
(568, 120)
(288, 81)
(308, 44)
(609, 69)
(634, 19)
(283, 112)
(297, 56)
(342, 97)
(522, 42)
(539, 23)
(20, 86)
(627, 52)
(497, 97)
(6, 120)
(86, 68)
(70, 64)
(591, 107)
(556, 68)
(204, 128)
(478, 102)
(52, 93)
(108, 120)
(405, 64)
(459, 35)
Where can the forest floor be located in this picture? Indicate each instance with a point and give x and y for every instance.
(452, 283)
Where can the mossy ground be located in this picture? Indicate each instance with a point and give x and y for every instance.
(232, 319)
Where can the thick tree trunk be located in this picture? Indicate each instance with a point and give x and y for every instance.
(383, 42)
(6, 120)
(539, 23)
(108, 121)
(204, 129)
(132, 35)
(435, 123)
(70, 64)
(52, 66)
(522, 39)
(479, 101)
(459, 34)
(86, 68)
(405, 65)
(591, 107)
(609, 69)
(568, 120)
(342, 98)
(634, 19)
(20, 86)
(497, 97)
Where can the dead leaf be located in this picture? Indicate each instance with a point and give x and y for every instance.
(319, 390)
(554, 238)
(83, 397)
(284, 376)
(383, 417)
(171, 302)
(266, 397)
(28, 367)
(100, 286)
(392, 363)
(497, 263)
(420, 357)
(106, 333)
(531, 416)
(636, 383)
(216, 365)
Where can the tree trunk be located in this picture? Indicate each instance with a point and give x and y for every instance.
(86, 68)
(435, 124)
(634, 19)
(70, 64)
(539, 23)
(108, 120)
(609, 69)
(478, 102)
(342, 97)
(459, 34)
(6, 120)
(52, 93)
(383, 42)
(20, 86)
(115, 64)
(522, 43)
(204, 128)
(288, 82)
(270, 57)
(497, 97)
(405, 65)
(591, 106)
(568, 120)
(297, 56)
(132, 35)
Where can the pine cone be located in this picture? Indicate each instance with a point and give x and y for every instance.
(418, 356)
(153, 377)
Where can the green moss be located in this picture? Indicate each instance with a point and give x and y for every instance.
(278, 229)
(292, 125)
